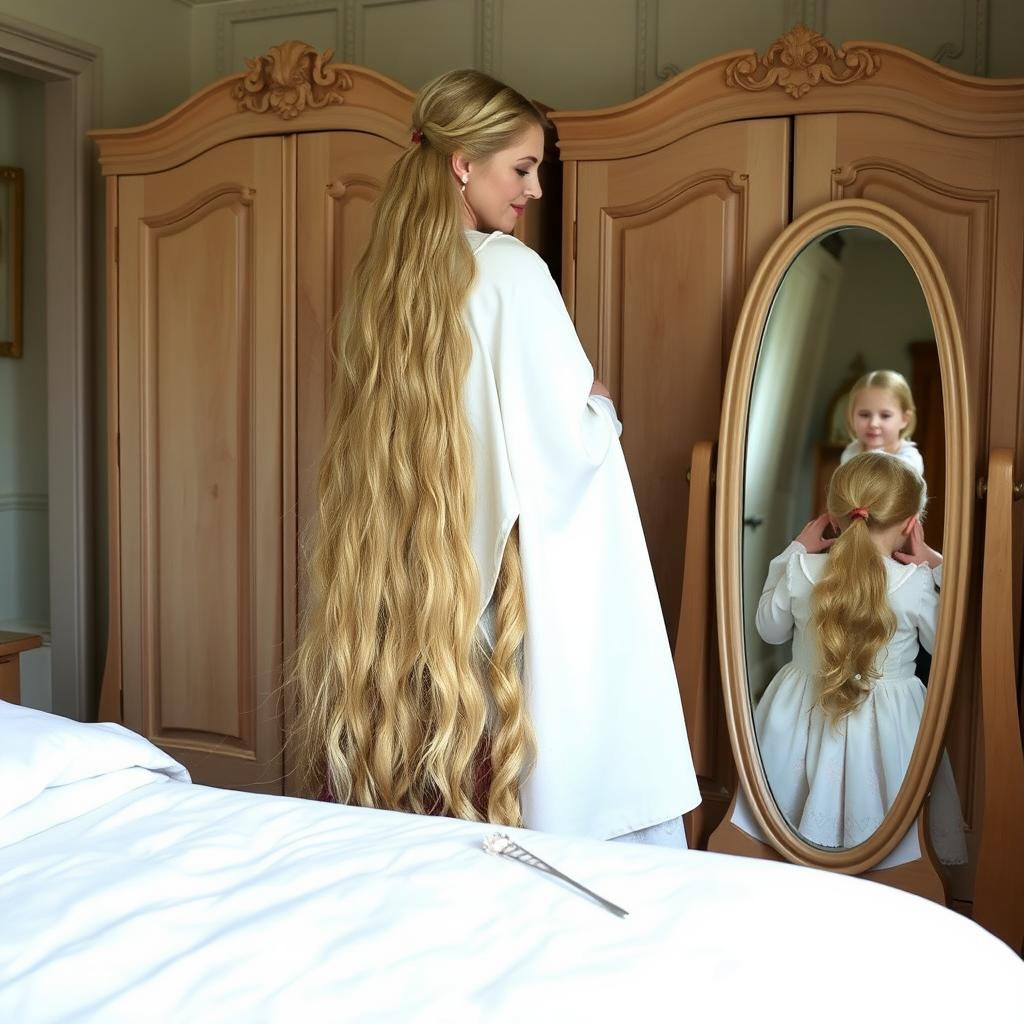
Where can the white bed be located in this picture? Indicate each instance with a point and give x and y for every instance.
(128, 896)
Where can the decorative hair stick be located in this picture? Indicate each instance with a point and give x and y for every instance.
(501, 845)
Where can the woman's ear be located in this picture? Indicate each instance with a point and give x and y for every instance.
(908, 527)
(460, 165)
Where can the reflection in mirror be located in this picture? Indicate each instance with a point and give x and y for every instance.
(837, 630)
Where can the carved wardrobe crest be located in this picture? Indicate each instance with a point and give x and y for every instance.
(290, 78)
(799, 60)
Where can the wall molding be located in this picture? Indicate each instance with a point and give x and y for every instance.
(646, 16)
(259, 10)
(488, 36)
(24, 502)
(815, 15)
(952, 51)
(348, 43)
(649, 71)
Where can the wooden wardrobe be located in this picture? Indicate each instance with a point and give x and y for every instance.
(233, 224)
(670, 203)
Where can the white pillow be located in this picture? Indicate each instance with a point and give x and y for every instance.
(39, 751)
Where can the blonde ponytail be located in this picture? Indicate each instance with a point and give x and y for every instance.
(850, 610)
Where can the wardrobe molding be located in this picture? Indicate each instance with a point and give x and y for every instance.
(900, 83)
(220, 113)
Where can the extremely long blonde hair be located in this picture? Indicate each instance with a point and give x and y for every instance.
(850, 609)
(397, 701)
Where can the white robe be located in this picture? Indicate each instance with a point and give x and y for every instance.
(612, 754)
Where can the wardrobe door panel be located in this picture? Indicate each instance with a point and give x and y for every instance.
(964, 195)
(199, 383)
(666, 243)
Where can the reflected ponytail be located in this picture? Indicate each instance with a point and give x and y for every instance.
(850, 609)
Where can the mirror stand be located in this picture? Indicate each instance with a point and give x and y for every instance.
(924, 877)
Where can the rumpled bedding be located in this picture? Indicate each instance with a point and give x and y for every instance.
(129, 894)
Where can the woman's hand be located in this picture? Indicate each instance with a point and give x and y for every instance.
(599, 389)
(812, 536)
(920, 553)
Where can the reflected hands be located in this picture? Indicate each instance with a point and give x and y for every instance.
(812, 536)
(920, 553)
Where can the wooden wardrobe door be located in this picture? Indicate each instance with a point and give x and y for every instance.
(964, 195)
(666, 243)
(199, 405)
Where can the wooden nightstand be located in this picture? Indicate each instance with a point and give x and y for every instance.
(11, 646)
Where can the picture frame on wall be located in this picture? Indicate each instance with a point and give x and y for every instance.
(12, 214)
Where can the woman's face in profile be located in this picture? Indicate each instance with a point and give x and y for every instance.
(500, 187)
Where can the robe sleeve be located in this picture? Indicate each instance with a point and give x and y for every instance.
(774, 619)
(608, 408)
(542, 373)
(924, 612)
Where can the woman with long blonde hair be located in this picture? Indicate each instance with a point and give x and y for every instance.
(837, 725)
(478, 584)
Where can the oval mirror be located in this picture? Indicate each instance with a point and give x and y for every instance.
(843, 478)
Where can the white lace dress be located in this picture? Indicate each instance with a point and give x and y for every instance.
(835, 783)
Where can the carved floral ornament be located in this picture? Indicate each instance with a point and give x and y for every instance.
(798, 60)
(288, 79)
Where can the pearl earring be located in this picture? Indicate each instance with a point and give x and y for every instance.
(465, 182)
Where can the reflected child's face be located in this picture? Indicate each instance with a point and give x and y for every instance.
(878, 420)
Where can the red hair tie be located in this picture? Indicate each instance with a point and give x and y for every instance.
(859, 513)
(417, 136)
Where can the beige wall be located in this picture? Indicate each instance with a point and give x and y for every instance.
(144, 44)
(143, 72)
(592, 53)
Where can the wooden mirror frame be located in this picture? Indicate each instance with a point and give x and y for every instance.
(731, 474)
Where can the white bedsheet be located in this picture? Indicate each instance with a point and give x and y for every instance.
(175, 902)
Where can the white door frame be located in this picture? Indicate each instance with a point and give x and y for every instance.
(69, 70)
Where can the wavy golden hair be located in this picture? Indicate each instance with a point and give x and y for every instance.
(399, 703)
(896, 384)
(850, 609)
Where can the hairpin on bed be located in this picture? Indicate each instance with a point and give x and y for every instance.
(501, 845)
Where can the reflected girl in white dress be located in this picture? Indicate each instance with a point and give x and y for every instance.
(837, 725)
